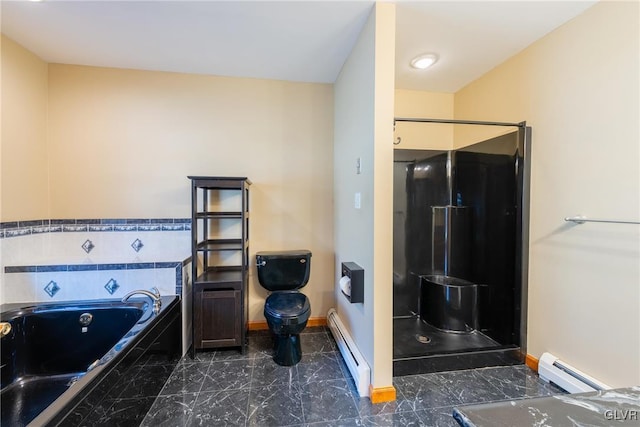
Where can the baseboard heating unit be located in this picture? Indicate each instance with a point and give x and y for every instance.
(552, 369)
(354, 360)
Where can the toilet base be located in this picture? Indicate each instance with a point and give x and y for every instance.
(287, 350)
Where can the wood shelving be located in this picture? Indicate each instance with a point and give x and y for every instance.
(220, 295)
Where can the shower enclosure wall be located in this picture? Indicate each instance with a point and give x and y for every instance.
(459, 256)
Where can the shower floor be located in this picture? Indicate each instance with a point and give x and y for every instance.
(420, 348)
(406, 331)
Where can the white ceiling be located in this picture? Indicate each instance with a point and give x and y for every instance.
(295, 40)
(470, 37)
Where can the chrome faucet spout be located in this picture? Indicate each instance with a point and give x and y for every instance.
(155, 297)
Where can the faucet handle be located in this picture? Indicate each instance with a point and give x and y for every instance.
(155, 291)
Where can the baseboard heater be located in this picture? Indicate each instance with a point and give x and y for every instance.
(353, 358)
(552, 369)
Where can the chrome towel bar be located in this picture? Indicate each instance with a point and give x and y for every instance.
(581, 220)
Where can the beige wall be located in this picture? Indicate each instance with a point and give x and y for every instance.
(578, 88)
(421, 104)
(23, 153)
(121, 144)
(363, 129)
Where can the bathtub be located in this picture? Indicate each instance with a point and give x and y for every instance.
(70, 363)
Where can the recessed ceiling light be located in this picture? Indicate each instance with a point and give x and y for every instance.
(424, 61)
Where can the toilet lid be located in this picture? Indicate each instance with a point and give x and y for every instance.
(286, 304)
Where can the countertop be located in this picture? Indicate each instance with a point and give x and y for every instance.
(598, 408)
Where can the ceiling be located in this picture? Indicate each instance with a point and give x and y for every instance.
(296, 40)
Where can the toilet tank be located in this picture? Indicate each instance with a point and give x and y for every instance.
(285, 270)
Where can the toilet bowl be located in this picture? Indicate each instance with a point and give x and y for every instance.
(286, 309)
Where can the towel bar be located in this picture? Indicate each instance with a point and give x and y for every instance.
(581, 220)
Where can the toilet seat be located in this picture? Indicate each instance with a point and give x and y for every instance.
(286, 305)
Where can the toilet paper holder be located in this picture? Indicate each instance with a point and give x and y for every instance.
(355, 273)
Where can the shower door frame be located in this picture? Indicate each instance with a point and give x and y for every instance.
(523, 173)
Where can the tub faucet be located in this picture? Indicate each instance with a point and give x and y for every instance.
(155, 297)
(5, 328)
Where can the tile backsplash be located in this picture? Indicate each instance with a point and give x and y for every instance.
(24, 228)
(59, 260)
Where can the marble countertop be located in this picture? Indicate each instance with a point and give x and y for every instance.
(598, 408)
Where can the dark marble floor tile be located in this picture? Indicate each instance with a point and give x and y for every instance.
(147, 382)
(343, 365)
(314, 330)
(368, 409)
(74, 419)
(439, 417)
(170, 410)
(228, 375)
(351, 384)
(186, 378)
(266, 373)
(220, 408)
(431, 418)
(125, 413)
(231, 354)
(261, 347)
(349, 422)
(329, 400)
(202, 356)
(252, 390)
(399, 419)
(468, 386)
(97, 411)
(158, 359)
(422, 392)
(122, 378)
(92, 405)
(275, 406)
(319, 367)
(518, 382)
(317, 343)
(552, 389)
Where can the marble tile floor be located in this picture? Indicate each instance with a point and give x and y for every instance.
(226, 388)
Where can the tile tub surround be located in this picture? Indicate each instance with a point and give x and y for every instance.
(599, 408)
(225, 387)
(66, 282)
(99, 241)
(107, 257)
(23, 228)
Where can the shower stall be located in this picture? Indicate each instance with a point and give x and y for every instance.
(460, 253)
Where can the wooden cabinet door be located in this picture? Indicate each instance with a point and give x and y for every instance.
(218, 315)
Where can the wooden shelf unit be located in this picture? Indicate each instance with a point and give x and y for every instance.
(220, 287)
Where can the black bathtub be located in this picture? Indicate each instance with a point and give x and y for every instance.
(56, 371)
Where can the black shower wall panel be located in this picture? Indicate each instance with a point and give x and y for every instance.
(487, 184)
(401, 296)
(427, 186)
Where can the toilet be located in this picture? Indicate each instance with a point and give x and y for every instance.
(285, 309)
